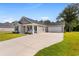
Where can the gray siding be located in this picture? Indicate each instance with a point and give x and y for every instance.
(7, 29)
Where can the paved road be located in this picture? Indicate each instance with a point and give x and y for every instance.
(29, 45)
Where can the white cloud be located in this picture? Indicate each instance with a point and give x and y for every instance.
(7, 20)
(45, 18)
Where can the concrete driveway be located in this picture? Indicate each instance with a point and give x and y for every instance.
(29, 45)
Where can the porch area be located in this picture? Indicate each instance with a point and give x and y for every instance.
(31, 28)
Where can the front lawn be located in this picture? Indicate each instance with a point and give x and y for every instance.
(8, 35)
(68, 47)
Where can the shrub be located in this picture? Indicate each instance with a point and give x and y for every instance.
(76, 28)
(15, 32)
(28, 33)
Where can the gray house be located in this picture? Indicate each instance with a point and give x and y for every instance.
(6, 27)
(27, 25)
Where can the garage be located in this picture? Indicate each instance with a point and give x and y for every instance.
(56, 28)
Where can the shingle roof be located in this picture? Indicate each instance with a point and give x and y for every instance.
(24, 20)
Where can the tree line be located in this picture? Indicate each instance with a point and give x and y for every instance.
(70, 15)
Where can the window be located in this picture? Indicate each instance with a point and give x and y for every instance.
(35, 29)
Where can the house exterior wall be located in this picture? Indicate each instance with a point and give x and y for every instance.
(58, 28)
(20, 28)
(40, 29)
(7, 29)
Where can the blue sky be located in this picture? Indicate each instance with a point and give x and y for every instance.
(14, 11)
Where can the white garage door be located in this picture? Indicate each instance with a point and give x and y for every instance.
(55, 29)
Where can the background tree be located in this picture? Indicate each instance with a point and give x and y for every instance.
(47, 22)
(41, 21)
(70, 16)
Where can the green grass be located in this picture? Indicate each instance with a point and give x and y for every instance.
(68, 47)
(8, 35)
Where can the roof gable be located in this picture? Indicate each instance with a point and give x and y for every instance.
(26, 20)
